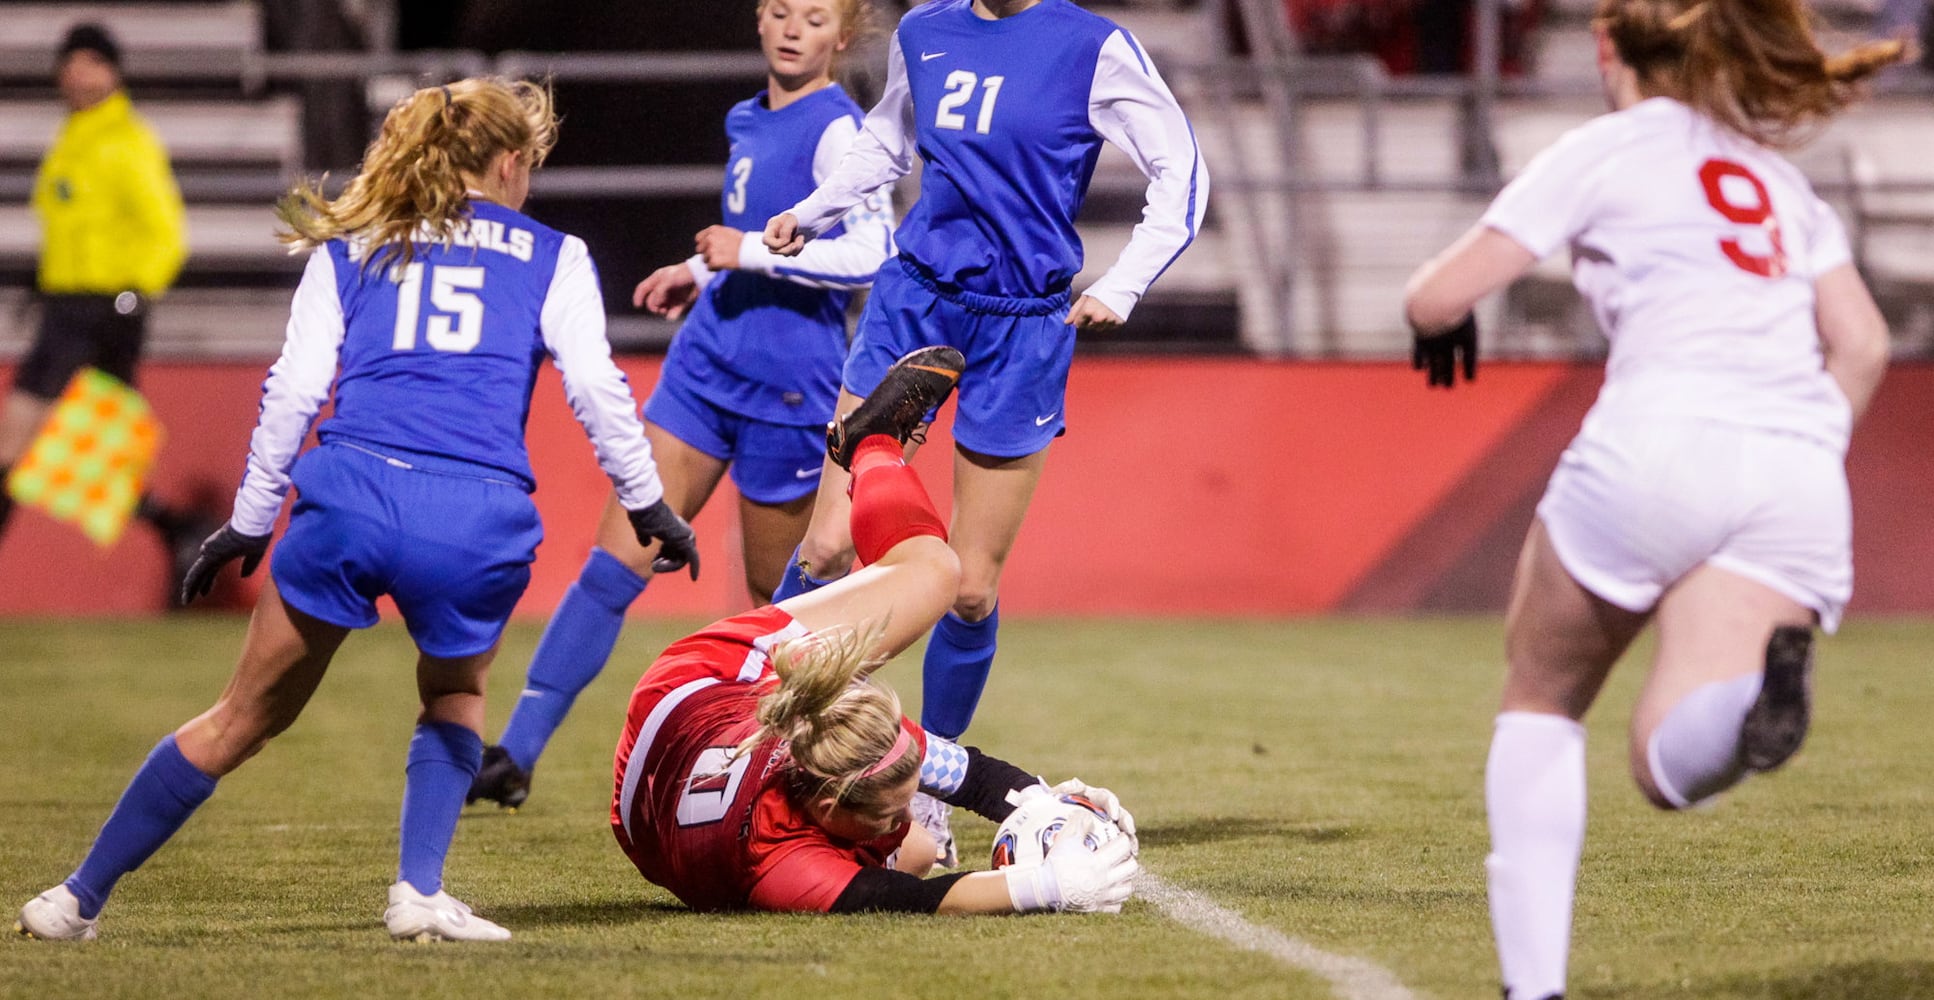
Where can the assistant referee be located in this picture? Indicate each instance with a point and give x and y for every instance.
(114, 237)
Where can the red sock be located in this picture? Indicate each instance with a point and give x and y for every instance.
(889, 503)
(877, 450)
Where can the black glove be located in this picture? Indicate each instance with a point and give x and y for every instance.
(1437, 352)
(677, 546)
(218, 550)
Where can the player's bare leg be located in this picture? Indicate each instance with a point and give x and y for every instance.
(770, 533)
(585, 626)
(991, 497)
(826, 550)
(283, 660)
(689, 476)
(911, 576)
(1561, 641)
(1714, 631)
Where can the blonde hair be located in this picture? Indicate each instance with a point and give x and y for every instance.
(1754, 66)
(856, 23)
(412, 176)
(839, 723)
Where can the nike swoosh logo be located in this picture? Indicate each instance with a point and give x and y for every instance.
(930, 56)
(1043, 421)
(804, 473)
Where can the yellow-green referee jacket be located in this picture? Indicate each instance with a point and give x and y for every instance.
(110, 213)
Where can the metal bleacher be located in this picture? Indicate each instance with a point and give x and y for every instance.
(1332, 179)
(232, 144)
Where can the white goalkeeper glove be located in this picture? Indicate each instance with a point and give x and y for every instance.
(1106, 800)
(1074, 879)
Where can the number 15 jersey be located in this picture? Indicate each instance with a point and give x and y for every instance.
(1698, 250)
(438, 357)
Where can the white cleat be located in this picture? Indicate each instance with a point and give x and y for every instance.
(55, 915)
(932, 814)
(413, 916)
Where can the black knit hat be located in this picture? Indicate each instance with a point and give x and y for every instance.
(93, 38)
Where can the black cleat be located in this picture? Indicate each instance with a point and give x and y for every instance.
(899, 405)
(500, 780)
(1776, 725)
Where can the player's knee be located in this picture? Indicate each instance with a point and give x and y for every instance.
(975, 601)
(1693, 753)
(826, 557)
(1647, 781)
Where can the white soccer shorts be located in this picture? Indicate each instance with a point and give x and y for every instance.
(1635, 506)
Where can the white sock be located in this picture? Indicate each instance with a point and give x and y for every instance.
(1694, 753)
(1534, 793)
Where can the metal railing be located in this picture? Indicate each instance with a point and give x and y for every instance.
(1273, 75)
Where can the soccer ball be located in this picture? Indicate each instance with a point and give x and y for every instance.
(1038, 822)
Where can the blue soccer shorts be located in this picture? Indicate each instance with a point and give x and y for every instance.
(1013, 394)
(770, 463)
(452, 547)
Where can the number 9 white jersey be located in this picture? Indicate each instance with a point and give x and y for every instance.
(1698, 250)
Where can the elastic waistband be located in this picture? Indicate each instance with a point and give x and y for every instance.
(436, 465)
(993, 305)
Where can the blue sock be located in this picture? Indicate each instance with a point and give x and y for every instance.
(959, 656)
(574, 648)
(444, 757)
(796, 581)
(164, 793)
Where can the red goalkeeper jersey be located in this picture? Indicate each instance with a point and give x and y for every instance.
(714, 826)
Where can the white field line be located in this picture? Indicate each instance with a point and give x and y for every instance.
(1352, 978)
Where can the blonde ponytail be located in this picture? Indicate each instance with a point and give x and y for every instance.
(1753, 66)
(411, 185)
(838, 723)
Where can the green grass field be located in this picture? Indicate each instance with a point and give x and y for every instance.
(1321, 778)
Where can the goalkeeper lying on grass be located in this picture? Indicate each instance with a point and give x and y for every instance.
(760, 768)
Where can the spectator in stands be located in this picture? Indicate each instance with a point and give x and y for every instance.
(114, 237)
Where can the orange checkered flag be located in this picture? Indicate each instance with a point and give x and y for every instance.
(91, 460)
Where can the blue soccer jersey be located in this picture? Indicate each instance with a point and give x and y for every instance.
(766, 340)
(438, 358)
(1007, 117)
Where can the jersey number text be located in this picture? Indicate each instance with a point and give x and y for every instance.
(456, 324)
(960, 90)
(712, 785)
(1758, 212)
(741, 173)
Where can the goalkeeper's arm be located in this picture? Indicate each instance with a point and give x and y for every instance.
(1072, 878)
(971, 779)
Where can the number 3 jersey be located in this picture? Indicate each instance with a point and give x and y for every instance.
(438, 357)
(1698, 251)
(712, 825)
(766, 339)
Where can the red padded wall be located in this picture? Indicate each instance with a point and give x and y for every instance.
(1185, 486)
